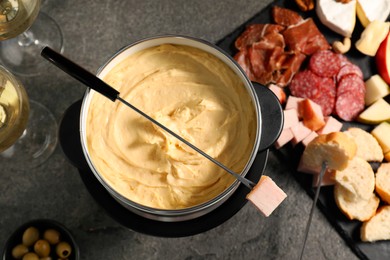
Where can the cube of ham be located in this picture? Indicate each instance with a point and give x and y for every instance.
(311, 113)
(279, 93)
(309, 138)
(292, 102)
(290, 118)
(331, 125)
(300, 131)
(285, 136)
(305, 169)
(266, 195)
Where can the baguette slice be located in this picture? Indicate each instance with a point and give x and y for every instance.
(368, 147)
(358, 178)
(378, 227)
(382, 182)
(335, 148)
(354, 207)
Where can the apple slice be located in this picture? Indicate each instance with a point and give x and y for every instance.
(376, 113)
(376, 88)
(382, 59)
(381, 133)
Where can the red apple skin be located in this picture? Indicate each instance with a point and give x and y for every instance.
(382, 59)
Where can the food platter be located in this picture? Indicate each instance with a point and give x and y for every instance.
(348, 229)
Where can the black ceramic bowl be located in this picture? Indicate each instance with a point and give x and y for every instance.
(41, 225)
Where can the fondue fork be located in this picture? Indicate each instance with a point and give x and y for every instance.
(103, 88)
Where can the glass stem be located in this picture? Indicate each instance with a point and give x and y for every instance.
(26, 39)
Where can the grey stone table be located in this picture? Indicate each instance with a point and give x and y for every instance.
(93, 30)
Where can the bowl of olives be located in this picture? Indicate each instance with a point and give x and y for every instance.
(41, 239)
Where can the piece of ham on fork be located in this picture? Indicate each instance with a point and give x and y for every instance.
(266, 195)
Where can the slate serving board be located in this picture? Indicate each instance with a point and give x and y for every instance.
(349, 230)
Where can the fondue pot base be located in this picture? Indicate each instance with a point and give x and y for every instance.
(70, 142)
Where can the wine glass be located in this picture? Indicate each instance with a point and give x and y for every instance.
(24, 30)
(28, 132)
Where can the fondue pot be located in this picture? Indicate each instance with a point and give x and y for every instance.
(269, 121)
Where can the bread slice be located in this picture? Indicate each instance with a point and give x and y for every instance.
(368, 147)
(335, 148)
(354, 207)
(382, 182)
(358, 178)
(378, 227)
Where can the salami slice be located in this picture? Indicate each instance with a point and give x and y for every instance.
(327, 96)
(325, 63)
(305, 84)
(348, 106)
(343, 59)
(348, 69)
(351, 83)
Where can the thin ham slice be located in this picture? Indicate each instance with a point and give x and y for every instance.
(254, 33)
(305, 37)
(266, 195)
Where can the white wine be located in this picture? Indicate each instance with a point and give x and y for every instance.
(14, 109)
(16, 16)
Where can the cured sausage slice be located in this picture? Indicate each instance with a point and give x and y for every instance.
(325, 63)
(322, 91)
(349, 105)
(350, 97)
(351, 83)
(348, 69)
(305, 84)
(327, 96)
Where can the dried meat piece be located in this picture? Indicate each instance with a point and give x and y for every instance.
(289, 67)
(284, 16)
(243, 60)
(325, 63)
(254, 32)
(305, 37)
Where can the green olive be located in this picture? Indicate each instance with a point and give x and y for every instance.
(42, 248)
(30, 236)
(52, 236)
(19, 251)
(30, 256)
(46, 258)
(63, 249)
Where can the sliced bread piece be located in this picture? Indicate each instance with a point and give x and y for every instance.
(368, 147)
(358, 178)
(378, 227)
(382, 182)
(354, 207)
(334, 148)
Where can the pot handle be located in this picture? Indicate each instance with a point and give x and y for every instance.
(271, 116)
